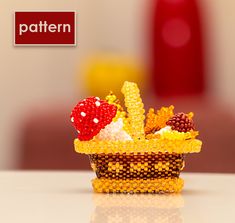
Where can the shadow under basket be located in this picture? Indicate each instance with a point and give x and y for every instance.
(151, 168)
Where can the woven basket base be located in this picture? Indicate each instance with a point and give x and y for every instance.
(141, 166)
(168, 185)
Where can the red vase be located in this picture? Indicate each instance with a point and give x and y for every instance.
(177, 48)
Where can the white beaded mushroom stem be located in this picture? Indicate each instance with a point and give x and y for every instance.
(135, 108)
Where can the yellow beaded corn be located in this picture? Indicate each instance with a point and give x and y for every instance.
(152, 160)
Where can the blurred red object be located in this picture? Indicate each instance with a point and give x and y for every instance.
(47, 141)
(177, 48)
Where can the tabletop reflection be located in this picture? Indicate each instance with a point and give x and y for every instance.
(137, 208)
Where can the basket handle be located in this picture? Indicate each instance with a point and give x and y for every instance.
(135, 109)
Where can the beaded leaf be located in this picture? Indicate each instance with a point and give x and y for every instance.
(156, 121)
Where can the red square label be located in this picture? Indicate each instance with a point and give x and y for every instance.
(45, 28)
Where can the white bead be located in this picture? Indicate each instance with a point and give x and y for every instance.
(72, 119)
(95, 120)
(83, 114)
(165, 129)
(97, 103)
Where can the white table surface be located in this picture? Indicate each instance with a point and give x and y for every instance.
(43, 197)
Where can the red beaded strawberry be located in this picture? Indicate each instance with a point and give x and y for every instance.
(91, 115)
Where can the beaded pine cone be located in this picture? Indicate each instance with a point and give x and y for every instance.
(134, 154)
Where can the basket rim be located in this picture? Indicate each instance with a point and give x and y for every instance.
(138, 146)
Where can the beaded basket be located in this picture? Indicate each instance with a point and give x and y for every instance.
(141, 165)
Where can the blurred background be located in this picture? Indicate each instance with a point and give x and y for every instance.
(180, 52)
